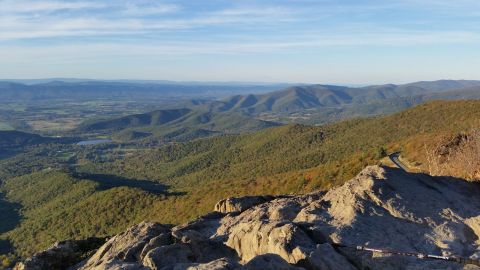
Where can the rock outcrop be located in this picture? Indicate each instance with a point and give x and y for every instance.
(262, 237)
(382, 208)
(234, 205)
(127, 246)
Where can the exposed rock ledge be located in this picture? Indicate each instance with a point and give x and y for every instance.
(381, 208)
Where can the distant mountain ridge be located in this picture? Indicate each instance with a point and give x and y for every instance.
(14, 91)
(203, 110)
(319, 96)
(243, 113)
(260, 97)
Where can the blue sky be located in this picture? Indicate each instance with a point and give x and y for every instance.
(314, 41)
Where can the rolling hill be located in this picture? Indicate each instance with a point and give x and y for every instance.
(12, 141)
(154, 118)
(175, 124)
(12, 138)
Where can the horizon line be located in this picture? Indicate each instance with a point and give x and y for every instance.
(237, 82)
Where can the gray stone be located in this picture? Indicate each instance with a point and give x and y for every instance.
(163, 239)
(233, 205)
(269, 262)
(126, 246)
(116, 264)
(261, 237)
(168, 256)
(324, 257)
(220, 264)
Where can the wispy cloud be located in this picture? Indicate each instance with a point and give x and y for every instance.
(25, 6)
(71, 30)
(256, 11)
(40, 19)
(296, 43)
(139, 9)
(122, 18)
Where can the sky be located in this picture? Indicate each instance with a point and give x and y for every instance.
(307, 41)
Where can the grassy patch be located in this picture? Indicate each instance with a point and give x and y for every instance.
(5, 126)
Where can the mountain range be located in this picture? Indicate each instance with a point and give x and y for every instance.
(88, 90)
(329, 96)
(310, 104)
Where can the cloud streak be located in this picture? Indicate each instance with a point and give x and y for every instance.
(26, 19)
(44, 30)
(23, 6)
(296, 43)
(40, 19)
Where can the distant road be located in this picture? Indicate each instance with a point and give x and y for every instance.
(394, 157)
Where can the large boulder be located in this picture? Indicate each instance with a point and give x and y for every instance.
(234, 205)
(261, 237)
(203, 227)
(168, 256)
(163, 239)
(280, 209)
(127, 246)
(202, 251)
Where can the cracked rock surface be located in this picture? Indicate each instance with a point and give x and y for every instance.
(383, 208)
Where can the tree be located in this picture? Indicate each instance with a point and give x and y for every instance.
(381, 152)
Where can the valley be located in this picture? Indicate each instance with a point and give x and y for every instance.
(55, 108)
(171, 162)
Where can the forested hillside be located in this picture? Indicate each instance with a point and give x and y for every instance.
(63, 207)
(11, 138)
(287, 159)
(174, 125)
(12, 142)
